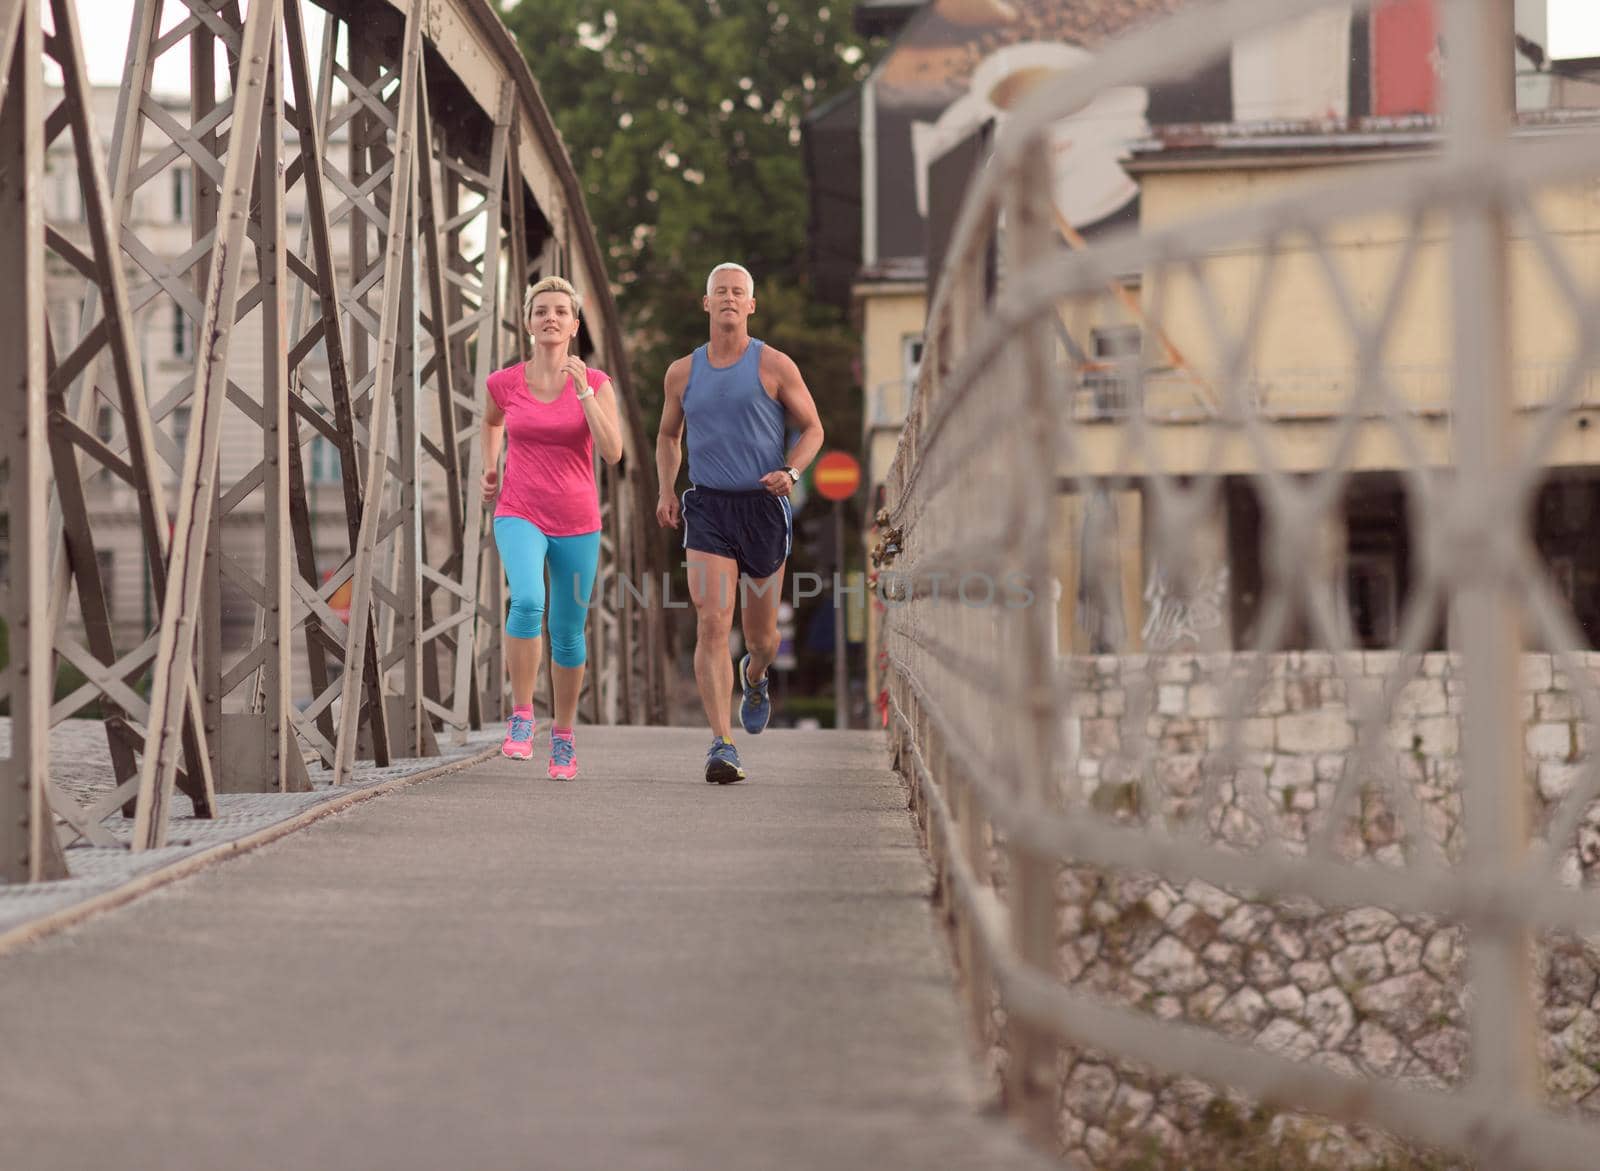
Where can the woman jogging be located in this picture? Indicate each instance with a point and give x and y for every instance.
(552, 412)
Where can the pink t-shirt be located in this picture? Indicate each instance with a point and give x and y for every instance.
(549, 476)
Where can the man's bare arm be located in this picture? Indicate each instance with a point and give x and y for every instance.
(669, 442)
(801, 409)
(779, 372)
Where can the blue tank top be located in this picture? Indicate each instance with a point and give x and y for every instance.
(733, 428)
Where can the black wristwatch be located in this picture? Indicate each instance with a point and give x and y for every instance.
(794, 476)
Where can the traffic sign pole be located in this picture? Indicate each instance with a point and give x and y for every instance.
(837, 476)
(841, 684)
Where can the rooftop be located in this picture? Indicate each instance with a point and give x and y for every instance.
(884, 18)
(1176, 142)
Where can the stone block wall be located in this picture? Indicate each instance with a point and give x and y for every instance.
(1359, 991)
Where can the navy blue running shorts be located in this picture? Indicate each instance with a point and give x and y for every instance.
(754, 529)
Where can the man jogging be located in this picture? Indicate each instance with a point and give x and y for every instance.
(732, 398)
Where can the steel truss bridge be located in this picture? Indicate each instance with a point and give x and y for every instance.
(431, 187)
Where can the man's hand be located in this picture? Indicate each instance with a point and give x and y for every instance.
(491, 486)
(778, 483)
(667, 511)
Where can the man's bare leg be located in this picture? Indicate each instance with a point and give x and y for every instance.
(758, 618)
(713, 587)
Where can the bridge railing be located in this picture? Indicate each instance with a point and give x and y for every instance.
(353, 219)
(992, 710)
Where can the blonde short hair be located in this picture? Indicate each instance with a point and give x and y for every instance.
(551, 284)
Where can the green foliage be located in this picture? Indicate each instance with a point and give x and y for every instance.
(68, 680)
(818, 707)
(683, 120)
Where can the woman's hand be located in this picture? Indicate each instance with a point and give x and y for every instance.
(574, 367)
(491, 485)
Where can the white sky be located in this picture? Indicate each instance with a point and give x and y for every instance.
(1574, 32)
(1574, 28)
(105, 25)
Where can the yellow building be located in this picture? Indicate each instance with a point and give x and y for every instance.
(890, 317)
(889, 163)
(1384, 280)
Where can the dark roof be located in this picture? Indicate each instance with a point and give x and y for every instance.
(884, 18)
(911, 270)
(1176, 143)
(946, 39)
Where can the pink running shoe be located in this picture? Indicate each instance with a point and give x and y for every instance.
(518, 744)
(563, 757)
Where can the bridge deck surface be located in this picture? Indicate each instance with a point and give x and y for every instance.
(492, 970)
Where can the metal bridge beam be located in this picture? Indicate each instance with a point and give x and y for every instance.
(359, 231)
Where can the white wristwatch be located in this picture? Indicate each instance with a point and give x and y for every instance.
(586, 392)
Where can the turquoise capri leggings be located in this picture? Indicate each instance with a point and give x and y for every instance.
(524, 551)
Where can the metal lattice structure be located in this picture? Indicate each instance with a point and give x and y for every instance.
(361, 220)
(982, 706)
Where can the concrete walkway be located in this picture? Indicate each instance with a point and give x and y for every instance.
(492, 970)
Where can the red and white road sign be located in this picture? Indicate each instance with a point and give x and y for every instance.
(837, 476)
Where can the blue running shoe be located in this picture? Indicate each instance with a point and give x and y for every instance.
(756, 707)
(722, 763)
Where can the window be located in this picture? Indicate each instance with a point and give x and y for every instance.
(911, 355)
(180, 427)
(68, 197)
(1373, 596)
(182, 333)
(324, 462)
(1115, 341)
(104, 425)
(313, 314)
(182, 195)
(1111, 377)
(105, 561)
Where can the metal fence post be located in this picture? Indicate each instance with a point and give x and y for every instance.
(1480, 106)
(28, 850)
(1029, 238)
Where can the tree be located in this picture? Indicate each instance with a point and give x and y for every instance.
(682, 118)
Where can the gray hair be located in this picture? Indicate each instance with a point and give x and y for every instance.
(727, 264)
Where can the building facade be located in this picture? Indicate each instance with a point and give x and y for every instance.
(889, 164)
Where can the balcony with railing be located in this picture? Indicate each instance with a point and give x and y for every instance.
(887, 403)
(1115, 390)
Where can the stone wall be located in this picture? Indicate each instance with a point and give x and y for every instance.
(1360, 991)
